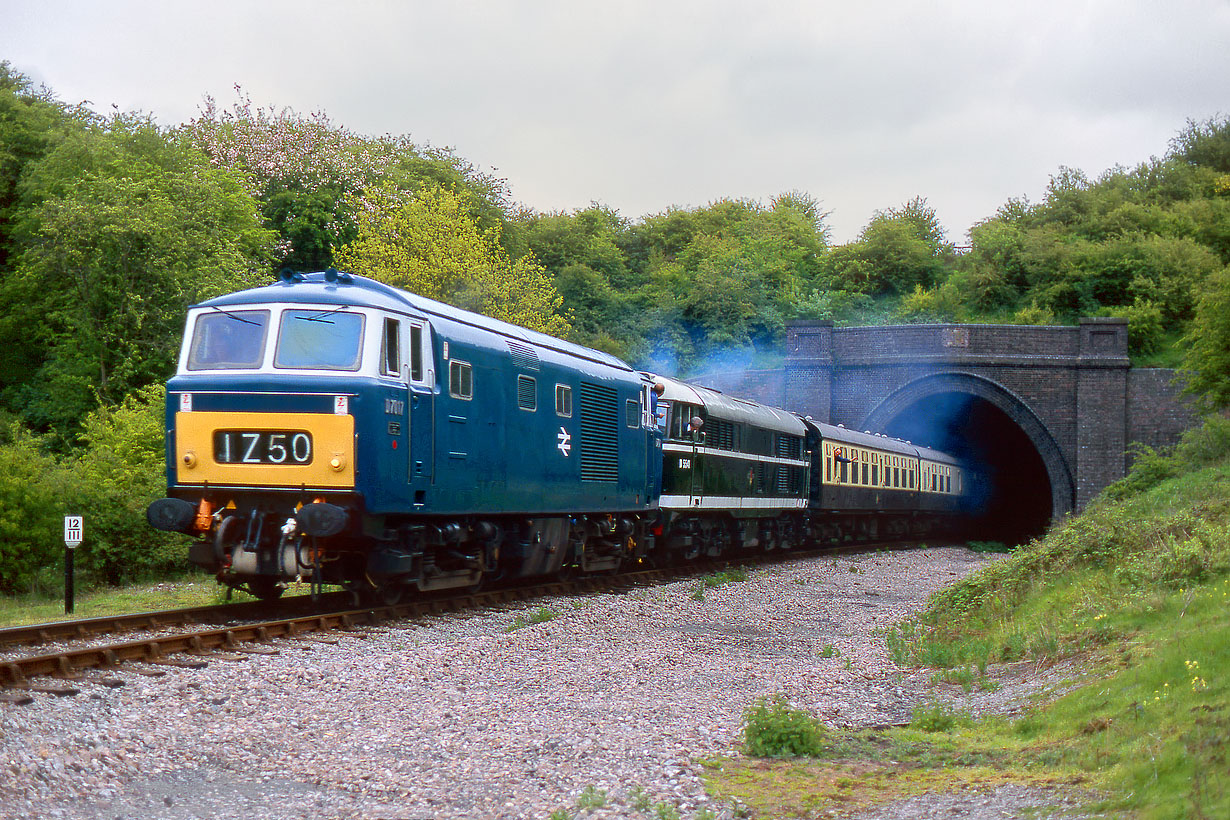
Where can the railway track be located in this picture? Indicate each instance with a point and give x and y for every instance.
(192, 648)
(86, 628)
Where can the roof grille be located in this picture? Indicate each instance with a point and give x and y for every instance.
(524, 356)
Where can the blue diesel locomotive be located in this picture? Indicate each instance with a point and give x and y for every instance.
(335, 429)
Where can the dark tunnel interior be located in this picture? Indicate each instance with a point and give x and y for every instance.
(1016, 492)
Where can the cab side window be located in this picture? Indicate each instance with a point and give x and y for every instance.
(416, 353)
(390, 358)
(460, 380)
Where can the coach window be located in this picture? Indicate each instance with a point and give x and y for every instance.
(460, 380)
(563, 400)
(864, 481)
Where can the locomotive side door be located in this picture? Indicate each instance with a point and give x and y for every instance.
(422, 409)
(394, 425)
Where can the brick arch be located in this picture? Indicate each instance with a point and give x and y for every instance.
(1063, 488)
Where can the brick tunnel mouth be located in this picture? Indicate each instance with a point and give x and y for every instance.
(1015, 504)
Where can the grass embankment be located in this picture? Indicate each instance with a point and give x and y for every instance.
(194, 591)
(1133, 597)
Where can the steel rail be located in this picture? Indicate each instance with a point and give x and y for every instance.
(68, 663)
(85, 628)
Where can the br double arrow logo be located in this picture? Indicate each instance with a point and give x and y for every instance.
(564, 439)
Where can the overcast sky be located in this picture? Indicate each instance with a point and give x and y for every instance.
(641, 106)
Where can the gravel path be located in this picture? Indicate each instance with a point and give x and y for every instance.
(458, 717)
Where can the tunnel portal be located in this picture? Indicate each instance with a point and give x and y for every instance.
(1049, 411)
(1013, 493)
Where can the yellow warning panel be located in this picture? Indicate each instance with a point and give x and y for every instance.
(265, 449)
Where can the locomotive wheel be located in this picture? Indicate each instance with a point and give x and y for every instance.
(267, 589)
(390, 593)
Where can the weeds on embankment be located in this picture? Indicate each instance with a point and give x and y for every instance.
(1133, 595)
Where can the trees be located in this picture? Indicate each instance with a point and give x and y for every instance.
(900, 249)
(430, 243)
(1207, 360)
(30, 122)
(307, 171)
(121, 228)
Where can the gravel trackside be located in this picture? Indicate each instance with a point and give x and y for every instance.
(455, 716)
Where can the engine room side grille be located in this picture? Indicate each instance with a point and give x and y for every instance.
(721, 434)
(523, 356)
(599, 433)
(789, 447)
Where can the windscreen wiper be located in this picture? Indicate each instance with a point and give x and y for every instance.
(236, 316)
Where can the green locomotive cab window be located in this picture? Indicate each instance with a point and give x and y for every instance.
(320, 340)
(229, 340)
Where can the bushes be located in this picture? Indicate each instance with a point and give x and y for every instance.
(773, 728)
(34, 495)
(1198, 447)
(123, 469)
(110, 480)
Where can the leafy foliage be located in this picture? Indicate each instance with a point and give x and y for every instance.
(34, 493)
(122, 466)
(430, 244)
(122, 230)
(774, 728)
(306, 172)
(1207, 362)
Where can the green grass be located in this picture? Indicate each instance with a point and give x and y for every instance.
(716, 579)
(538, 616)
(1134, 595)
(192, 591)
